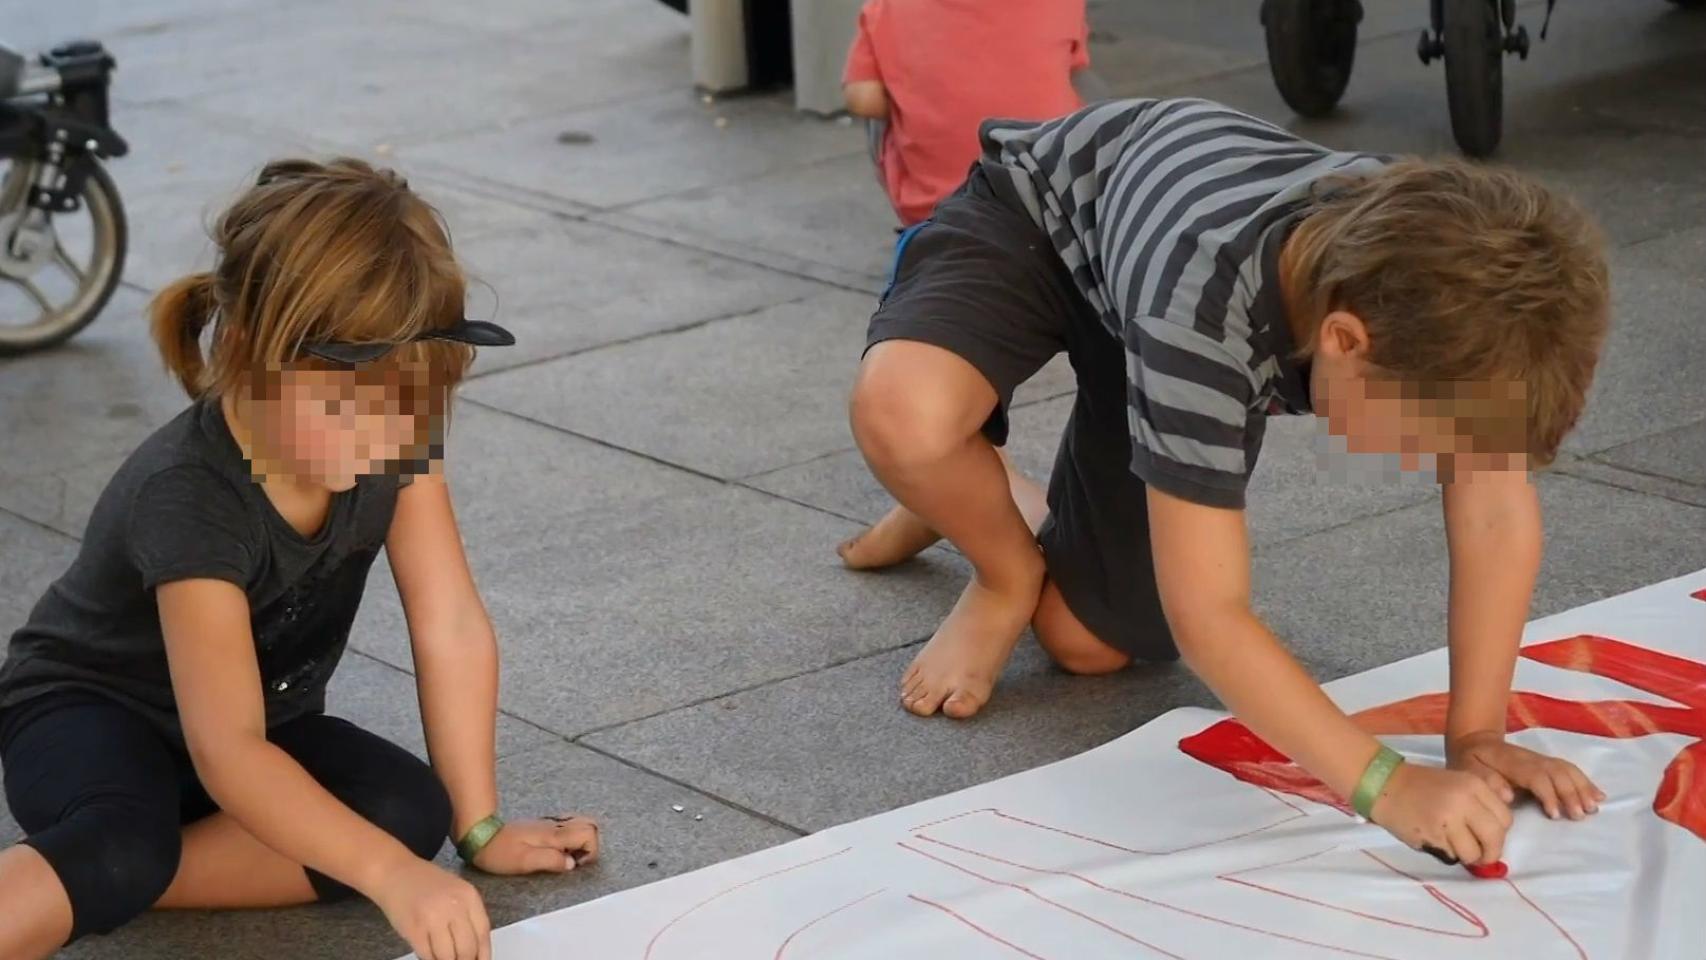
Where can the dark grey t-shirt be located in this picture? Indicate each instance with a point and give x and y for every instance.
(184, 506)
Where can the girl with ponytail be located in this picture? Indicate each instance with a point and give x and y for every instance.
(162, 712)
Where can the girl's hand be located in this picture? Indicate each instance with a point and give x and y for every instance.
(1560, 786)
(439, 914)
(1450, 810)
(549, 845)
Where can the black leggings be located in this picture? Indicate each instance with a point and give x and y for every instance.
(103, 797)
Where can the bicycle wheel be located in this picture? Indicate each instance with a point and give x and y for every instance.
(1474, 74)
(1312, 45)
(56, 277)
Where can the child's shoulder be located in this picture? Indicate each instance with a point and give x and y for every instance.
(181, 445)
(189, 459)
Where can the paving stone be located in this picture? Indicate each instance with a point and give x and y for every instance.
(75, 413)
(832, 212)
(565, 286)
(799, 357)
(381, 698)
(607, 617)
(647, 148)
(112, 20)
(1678, 454)
(1600, 541)
(847, 750)
(1610, 475)
(186, 168)
(528, 17)
(1649, 374)
(183, 170)
(362, 74)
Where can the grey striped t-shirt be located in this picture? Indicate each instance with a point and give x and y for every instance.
(1171, 215)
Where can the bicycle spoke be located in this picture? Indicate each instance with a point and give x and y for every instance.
(35, 293)
(66, 263)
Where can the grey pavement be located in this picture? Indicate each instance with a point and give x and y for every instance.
(653, 482)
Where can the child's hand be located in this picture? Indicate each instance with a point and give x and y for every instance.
(1454, 811)
(551, 845)
(1559, 785)
(439, 914)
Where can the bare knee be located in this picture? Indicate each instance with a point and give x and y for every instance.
(915, 404)
(1069, 642)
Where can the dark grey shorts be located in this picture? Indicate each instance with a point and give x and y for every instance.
(982, 280)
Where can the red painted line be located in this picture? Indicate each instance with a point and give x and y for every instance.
(1478, 933)
(1030, 893)
(1682, 791)
(1120, 893)
(783, 949)
(1674, 678)
(957, 816)
(950, 912)
(652, 945)
(1149, 853)
(1583, 954)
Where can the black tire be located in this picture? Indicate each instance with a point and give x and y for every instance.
(1474, 74)
(101, 195)
(1312, 45)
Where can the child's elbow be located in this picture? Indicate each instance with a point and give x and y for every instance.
(219, 758)
(1202, 634)
(867, 99)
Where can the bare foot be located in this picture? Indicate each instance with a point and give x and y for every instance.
(895, 538)
(956, 671)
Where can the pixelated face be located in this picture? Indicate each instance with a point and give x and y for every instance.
(1452, 429)
(1378, 415)
(334, 426)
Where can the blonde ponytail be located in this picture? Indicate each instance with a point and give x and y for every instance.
(177, 317)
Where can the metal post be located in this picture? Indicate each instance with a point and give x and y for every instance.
(823, 31)
(719, 44)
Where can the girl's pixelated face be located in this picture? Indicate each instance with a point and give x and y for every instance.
(335, 426)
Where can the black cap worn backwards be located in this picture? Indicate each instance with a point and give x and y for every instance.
(478, 333)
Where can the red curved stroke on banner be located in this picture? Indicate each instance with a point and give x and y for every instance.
(1681, 797)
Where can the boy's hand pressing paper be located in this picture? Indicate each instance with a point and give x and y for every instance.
(1560, 786)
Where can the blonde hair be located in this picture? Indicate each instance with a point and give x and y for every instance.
(336, 251)
(1461, 273)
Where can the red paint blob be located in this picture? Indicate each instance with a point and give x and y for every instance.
(1491, 871)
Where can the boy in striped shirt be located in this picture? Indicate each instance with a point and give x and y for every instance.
(1204, 270)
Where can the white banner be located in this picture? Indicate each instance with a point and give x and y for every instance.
(1142, 849)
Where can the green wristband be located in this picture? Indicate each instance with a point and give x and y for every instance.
(477, 837)
(1374, 777)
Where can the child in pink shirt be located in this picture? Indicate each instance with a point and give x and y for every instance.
(936, 69)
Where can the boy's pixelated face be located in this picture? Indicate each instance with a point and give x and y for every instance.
(1453, 429)
(332, 426)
